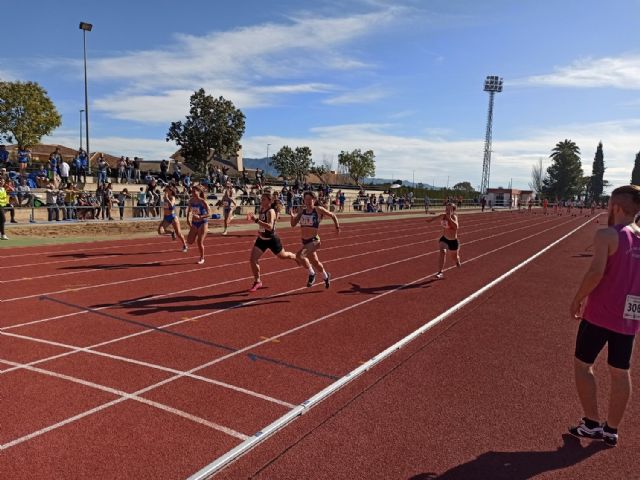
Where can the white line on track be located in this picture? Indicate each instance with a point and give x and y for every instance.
(249, 443)
(280, 423)
(123, 396)
(247, 240)
(201, 287)
(376, 231)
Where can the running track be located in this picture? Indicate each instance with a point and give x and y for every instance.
(127, 360)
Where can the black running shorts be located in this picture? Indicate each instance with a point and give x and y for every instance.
(452, 245)
(274, 244)
(591, 340)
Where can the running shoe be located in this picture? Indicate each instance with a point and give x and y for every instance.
(185, 249)
(439, 275)
(4, 237)
(224, 232)
(327, 280)
(458, 263)
(582, 431)
(201, 261)
(311, 280)
(256, 286)
(610, 438)
(173, 235)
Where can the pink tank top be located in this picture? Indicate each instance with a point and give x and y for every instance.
(615, 303)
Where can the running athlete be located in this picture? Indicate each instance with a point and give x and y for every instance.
(169, 218)
(197, 219)
(593, 207)
(227, 202)
(309, 218)
(449, 240)
(270, 208)
(545, 206)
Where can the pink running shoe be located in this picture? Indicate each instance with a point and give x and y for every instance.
(256, 286)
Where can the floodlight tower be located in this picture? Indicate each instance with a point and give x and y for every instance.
(493, 85)
(86, 27)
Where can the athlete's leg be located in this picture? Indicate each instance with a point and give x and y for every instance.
(587, 388)
(254, 257)
(619, 396)
(178, 231)
(202, 234)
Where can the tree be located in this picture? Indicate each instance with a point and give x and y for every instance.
(294, 164)
(358, 164)
(596, 181)
(26, 113)
(214, 125)
(538, 176)
(565, 177)
(635, 175)
(464, 187)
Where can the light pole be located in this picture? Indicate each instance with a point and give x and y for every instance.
(81, 112)
(86, 27)
(493, 85)
(268, 151)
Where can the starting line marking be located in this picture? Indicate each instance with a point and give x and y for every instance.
(281, 422)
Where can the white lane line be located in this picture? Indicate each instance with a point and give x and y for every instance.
(75, 349)
(119, 393)
(212, 236)
(248, 240)
(208, 286)
(298, 409)
(280, 423)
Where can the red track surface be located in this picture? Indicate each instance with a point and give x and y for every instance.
(127, 360)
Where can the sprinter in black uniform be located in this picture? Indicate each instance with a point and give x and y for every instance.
(267, 238)
(309, 218)
(448, 242)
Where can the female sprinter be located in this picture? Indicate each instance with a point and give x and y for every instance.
(169, 218)
(449, 240)
(227, 202)
(309, 218)
(270, 208)
(198, 219)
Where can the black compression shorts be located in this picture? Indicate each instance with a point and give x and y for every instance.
(452, 245)
(591, 339)
(274, 244)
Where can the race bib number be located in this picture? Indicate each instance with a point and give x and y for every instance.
(632, 308)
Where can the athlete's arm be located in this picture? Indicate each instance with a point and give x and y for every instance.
(296, 218)
(332, 216)
(189, 215)
(437, 217)
(453, 221)
(604, 245)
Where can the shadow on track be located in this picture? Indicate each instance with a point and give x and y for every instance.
(519, 465)
(357, 288)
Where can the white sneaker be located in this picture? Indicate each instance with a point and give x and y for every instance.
(224, 233)
(201, 261)
(439, 275)
(185, 249)
(4, 237)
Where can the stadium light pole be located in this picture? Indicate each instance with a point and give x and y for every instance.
(86, 27)
(81, 112)
(493, 85)
(268, 144)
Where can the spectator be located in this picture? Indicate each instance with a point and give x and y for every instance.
(4, 201)
(107, 201)
(164, 168)
(10, 188)
(141, 207)
(136, 169)
(102, 170)
(82, 163)
(23, 194)
(70, 194)
(122, 170)
(60, 203)
(129, 165)
(4, 157)
(24, 158)
(64, 172)
(177, 171)
(42, 179)
(52, 203)
(122, 199)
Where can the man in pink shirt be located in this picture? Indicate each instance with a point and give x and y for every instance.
(609, 299)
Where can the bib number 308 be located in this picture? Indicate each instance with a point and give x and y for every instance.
(632, 308)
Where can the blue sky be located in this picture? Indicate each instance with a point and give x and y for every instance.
(402, 78)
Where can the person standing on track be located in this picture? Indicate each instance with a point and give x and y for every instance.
(270, 208)
(4, 201)
(608, 307)
(198, 219)
(309, 218)
(169, 217)
(449, 240)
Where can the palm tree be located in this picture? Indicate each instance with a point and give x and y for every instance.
(565, 176)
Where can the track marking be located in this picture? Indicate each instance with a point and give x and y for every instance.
(123, 396)
(280, 423)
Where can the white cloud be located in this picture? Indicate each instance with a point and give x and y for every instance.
(147, 148)
(617, 72)
(365, 95)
